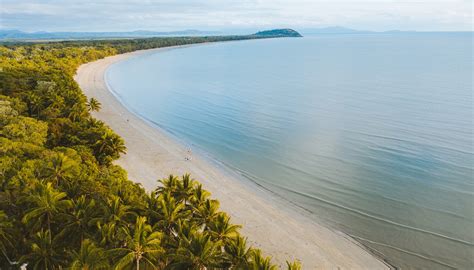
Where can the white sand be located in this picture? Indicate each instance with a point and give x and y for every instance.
(269, 223)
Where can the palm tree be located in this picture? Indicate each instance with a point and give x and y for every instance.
(169, 212)
(109, 146)
(108, 234)
(206, 212)
(61, 167)
(184, 188)
(92, 122)
(238, 252)
(6, 238)
(221, 229)
(77, 111)
(153, 207)
(93, 105)
(185, 230)
(142, 245)
(169, 184)
(46, 203)
(197, 253)
(296, 265)
(115, 215)
(258, 262)
(83, 215)
(35, 104)
(53, 106)
(199, 195)
(89, 257)
(117, 212)
(43, 254)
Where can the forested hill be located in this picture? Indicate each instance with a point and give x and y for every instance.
(65, 205)
(278, 33)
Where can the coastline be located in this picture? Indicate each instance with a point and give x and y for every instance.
(268, 223)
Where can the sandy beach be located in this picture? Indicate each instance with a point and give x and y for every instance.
(271, 224)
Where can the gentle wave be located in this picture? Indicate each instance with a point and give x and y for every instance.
(378, 127)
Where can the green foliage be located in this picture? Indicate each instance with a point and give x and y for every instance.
(296, 265)
(142, 246)
(89, 257)
(93, 105)
(64, 204)
(24, 129)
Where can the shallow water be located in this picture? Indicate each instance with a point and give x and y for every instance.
(373, 134)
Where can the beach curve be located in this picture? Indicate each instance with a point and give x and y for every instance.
(268, 223)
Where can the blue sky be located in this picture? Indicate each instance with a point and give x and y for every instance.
(165, 15)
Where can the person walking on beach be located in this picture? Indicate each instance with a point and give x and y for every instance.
(188, 150)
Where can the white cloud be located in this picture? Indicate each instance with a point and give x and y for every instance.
(119, 15)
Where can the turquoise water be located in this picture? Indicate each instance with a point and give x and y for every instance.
(373, 134)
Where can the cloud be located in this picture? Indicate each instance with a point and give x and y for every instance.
(122, 15)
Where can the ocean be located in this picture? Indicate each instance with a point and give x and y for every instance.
(370, 133)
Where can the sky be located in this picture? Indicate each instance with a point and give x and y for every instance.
(170, 15)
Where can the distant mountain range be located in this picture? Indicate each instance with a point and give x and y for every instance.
(344, 30)
(332, 30)
(16, 34)
(20, 35)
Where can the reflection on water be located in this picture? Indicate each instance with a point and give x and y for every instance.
(371, 133)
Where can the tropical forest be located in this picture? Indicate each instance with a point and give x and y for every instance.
(63, 202)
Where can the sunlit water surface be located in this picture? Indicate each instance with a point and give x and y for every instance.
(370, 133)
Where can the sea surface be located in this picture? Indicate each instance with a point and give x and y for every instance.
(370, 133)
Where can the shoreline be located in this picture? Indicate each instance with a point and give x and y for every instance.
(269, 224)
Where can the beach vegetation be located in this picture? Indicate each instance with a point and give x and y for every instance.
(64, 204)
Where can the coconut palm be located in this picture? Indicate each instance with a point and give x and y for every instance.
(197, 253)
(185, 230)
(206, 212)
(35, 103)
(89, 257)
(152, 207)
(6, 238)
(258, 262)
(116, 211)
(83, 215)
(46, 203)
(92, 122)
(221, 229)
(108, 234)
(238, 252)
(93, 105)
(115, 215)
(142, 247)
(296, 265)
(184, 188)
(61, 167)
(43, 252)
(199, 195)
(109, 146)
(169, 184)
(77, 112)
(169, 212)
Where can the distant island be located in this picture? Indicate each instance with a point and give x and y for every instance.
(278, 33)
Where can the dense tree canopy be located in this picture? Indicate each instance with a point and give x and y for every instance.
(64, 204)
